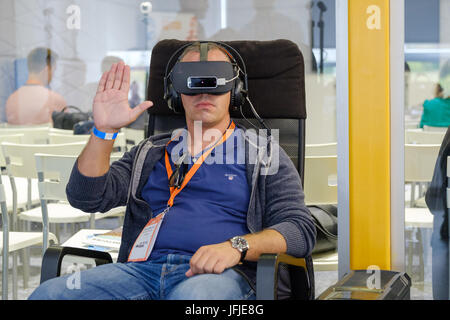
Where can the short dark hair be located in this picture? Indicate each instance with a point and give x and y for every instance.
(195, 47)
(39, 58)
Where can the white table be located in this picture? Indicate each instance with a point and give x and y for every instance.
(77, 241)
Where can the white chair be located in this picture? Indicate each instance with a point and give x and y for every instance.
(53, 172)
(31, 135)
(58, 138)
(419, 136)
(133, 136)
(321, 149)
(436, 129)
(320, 187)
(420, 160)
(13, 138)
(12, 242)
(320, 180)
(24, 198)
(20, 164)
(30, 126)
(60, 131)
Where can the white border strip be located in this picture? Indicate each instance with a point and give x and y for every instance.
(342, 124)
(397, 128)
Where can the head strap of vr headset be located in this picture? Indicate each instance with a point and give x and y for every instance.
(204, 51)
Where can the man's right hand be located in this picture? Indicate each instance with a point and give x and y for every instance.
(111, 109)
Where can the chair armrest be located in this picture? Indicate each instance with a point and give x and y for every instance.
(53, 257)
(299, 271)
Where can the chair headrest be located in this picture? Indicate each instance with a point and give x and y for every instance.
(275, 72)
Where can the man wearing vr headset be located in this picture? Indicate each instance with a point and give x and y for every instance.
(203, 246)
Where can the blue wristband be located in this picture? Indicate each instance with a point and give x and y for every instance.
(104, 135)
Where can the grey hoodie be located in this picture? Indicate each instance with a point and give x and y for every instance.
(276, 197)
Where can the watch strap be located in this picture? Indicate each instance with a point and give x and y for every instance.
(243, 254)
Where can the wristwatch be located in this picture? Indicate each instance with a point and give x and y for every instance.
(240, 244)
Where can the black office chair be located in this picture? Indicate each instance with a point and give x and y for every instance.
(276, 84)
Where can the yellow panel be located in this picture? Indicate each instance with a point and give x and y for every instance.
(369, 136)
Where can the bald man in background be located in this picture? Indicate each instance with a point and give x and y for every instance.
(34, 103)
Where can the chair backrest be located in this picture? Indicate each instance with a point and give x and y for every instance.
(14, 126)
(272, 66)
(57, 138)
(276, 89)
(53, 172)
(60, 131)
(420, 160)
(133, 136)
(20, 160)
(320, 180)
(31, 135)
(321, 149)
(13, 138)
(419, 136)
(431, 128)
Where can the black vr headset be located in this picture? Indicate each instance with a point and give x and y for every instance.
(210, 77)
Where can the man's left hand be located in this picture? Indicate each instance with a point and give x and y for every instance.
(213, 259)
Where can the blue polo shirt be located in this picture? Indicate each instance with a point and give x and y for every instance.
(211, 208)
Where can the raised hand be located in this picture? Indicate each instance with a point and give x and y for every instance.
(111, 109)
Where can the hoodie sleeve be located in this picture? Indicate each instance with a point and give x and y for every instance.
(285, 209)
(101, 194)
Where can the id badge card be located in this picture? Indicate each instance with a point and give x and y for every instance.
(146, 240)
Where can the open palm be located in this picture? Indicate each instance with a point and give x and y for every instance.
(111, 109)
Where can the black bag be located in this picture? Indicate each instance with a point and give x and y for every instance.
(66, 120)
(83, 127)
(370, 285)
(325, 220)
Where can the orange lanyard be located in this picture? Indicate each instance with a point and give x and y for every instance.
(175, 191)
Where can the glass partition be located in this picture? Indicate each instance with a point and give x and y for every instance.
(427, 116)
(53, 53)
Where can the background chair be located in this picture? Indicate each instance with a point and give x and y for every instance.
(133, 136)
(24, 199)
(31, 135)
(20, 163)
(431, 128)
(419, 165)
(284, 111)
(53, 172)
(60, 131)
(120, 143)
(419, 136)
(320, 180)
(321, 149)
(12, 242)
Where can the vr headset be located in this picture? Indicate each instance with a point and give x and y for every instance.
(210, 77)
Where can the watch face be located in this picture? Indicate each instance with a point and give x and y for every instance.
(240, 243)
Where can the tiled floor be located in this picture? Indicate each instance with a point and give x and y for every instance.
(420, 290)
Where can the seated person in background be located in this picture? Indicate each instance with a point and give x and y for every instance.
(436, 112)
(34, 103)
(210, 227)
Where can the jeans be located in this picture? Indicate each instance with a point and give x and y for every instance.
(439, 260)
(163, 278)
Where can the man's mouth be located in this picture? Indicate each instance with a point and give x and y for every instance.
(204, 104)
